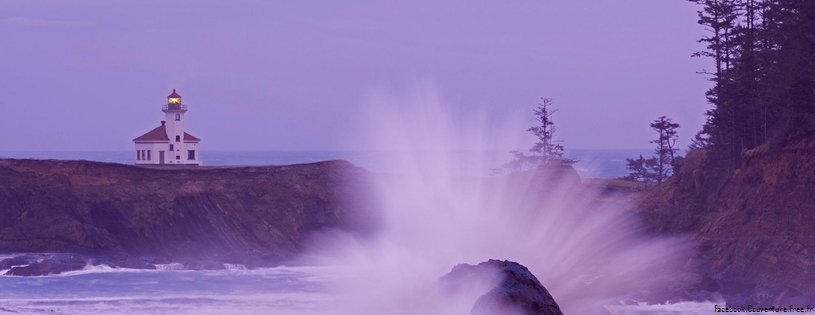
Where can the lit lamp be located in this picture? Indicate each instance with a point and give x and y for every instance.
(174, 100)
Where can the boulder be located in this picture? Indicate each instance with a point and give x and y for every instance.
(517, 292)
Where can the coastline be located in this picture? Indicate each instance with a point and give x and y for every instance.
(249, 215)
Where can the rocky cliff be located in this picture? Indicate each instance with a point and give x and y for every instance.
(251, 215)
(754, 232)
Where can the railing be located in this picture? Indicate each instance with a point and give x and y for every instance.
(174, 107)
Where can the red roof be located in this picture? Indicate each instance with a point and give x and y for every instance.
(174, 95)
(158, 134)
(190, 138)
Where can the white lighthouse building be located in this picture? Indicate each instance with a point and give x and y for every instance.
(168, 144)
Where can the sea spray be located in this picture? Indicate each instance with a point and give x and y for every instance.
(170, 266)
(582, 247)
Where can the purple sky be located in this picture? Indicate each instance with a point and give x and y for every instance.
(274, 75)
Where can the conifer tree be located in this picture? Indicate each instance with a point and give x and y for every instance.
(546, 151)
(660, 166)
(665, 151)
(764, 77)
(640, 169)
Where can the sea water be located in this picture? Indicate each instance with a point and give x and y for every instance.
(282, 290)
(105, 290)
(591, 163)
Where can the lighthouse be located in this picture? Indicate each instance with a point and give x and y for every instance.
(168, 144)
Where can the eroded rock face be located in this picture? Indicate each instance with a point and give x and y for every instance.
(753, 231)
(758, 239)
(518, 292)
(243, 215)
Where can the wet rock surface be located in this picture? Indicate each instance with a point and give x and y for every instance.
(42, 266)
(137, 217)
(518, 291)
(52, 264)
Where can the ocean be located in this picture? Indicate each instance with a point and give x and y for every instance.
(591, 163)
(281, 290)
(103, 290)
(292, 290)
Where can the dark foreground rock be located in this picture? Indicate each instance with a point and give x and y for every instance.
(137, 217)
(42, 266)
(518, 291)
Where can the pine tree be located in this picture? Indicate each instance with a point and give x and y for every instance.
(660, 166)
(665, 152)
(546, 151)
(640, 169)
(764, 78)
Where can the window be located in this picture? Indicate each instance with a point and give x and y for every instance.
(171, 147)
(143, 155)
(177, 157)
(138, 155)
(177, 138)
(177, 117)
(190, 154)
(148, 154)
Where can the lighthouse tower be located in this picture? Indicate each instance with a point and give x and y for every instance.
(168, 144)
(174, 117)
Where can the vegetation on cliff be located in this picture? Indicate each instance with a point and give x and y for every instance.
(764, 77)
(660, 166)
(744, 190)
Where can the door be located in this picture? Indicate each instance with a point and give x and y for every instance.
(161, 157)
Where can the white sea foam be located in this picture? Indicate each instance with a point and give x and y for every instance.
(90, 269)
(281, 290)
(116, 291)
(685, 308)
(235, 267)
(229, 303)
(7, 256)
(170, 266)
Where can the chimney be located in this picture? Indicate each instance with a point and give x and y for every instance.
(162, 123)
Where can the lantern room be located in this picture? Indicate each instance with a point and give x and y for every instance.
(174, 98)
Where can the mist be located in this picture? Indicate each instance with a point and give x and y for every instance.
(583, 247)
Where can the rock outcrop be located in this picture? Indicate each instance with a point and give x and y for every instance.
(754, 231)
(518, 291)
(759, 238)
(256, 215)
(41, 266)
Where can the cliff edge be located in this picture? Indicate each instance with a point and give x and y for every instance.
(256, 215)
(754, 232)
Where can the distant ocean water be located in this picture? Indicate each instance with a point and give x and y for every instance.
(103, 290)
(592, 163)
(281, 290)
